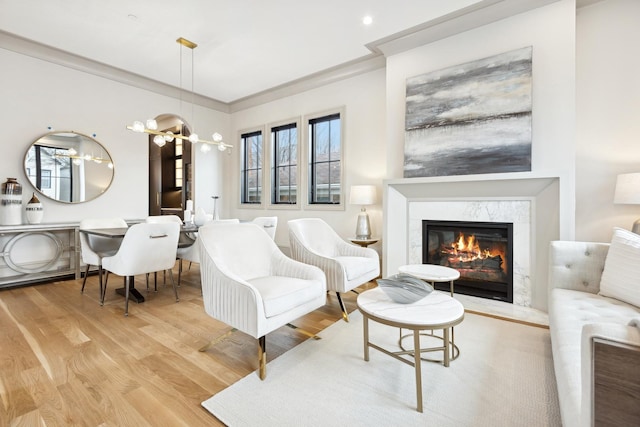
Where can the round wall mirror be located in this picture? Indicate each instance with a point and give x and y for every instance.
(68, 167)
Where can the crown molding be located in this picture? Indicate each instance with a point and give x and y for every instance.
(371, 62)
(468, 18)
(50, 54)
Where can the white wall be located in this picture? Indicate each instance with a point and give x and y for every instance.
(608, 110)
(37, 94)
(365, 144)
(550, 30)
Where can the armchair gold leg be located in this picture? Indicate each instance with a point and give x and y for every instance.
(262, 356)
(305, 332)
(217, 340)
(345, 314)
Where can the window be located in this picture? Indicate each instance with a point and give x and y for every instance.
(284, 170)
(325, 156)
(177, 155)
(45, 181)
(251, 169)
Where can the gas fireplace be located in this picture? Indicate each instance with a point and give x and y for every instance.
(481, 251)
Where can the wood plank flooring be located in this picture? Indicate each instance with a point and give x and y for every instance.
(67, 361)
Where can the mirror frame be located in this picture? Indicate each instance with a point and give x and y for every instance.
(104, 151)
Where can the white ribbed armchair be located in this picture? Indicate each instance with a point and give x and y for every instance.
(346, 266)
(249, 284)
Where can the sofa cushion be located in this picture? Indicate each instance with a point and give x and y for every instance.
(569, 311)
(621, 275)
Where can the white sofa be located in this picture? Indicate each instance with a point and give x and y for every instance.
(578, 318)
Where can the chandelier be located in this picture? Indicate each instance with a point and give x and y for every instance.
(161, 138)
(77, 159)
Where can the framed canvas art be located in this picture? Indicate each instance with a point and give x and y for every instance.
(473, 118)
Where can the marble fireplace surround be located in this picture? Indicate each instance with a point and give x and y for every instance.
(531, 204)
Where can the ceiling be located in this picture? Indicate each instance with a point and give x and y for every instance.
(245, 47)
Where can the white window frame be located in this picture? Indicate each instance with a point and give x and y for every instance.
(306, 156)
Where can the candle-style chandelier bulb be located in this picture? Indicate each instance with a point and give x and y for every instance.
(152, 124)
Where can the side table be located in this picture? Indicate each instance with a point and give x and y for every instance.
(433, 312)
(363, 242)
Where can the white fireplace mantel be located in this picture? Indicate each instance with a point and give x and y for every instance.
(542, 194)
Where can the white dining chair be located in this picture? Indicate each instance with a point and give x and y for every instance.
(268, 224)
(346, 266)
(191, 253)
(145, 248)
(185, 241)
(249, 284)
(93, 248)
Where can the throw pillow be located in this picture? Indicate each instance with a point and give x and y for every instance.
(621, 275)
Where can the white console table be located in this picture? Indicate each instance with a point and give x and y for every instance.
(38, 252)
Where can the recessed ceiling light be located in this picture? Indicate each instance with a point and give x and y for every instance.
(367, 20)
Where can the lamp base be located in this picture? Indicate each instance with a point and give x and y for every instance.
(363, 229)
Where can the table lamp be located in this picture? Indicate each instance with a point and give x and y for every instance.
(628, 193)
(363, 195)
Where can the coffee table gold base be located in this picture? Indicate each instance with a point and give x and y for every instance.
(454, 350)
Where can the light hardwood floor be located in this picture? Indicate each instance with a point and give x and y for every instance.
(66, 361)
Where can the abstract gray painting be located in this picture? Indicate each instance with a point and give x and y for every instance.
(473, 118)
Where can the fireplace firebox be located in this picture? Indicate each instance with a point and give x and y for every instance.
(481, 251)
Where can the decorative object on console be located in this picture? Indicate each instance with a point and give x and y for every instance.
(34, 210)
(11, 202)
(628, 193)
(404, 289)
(472, 118)
(363, 195)
(216, 216)
(200, 218)
(188, 212)
(161, 138)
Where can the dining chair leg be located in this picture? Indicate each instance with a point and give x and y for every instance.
(147, 279)
(179, 271)
(127, 281)
(100, 281)
(345, 314)
(173, 283)
(104, 289)
(84, 281)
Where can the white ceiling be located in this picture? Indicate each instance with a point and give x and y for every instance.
(244, 46)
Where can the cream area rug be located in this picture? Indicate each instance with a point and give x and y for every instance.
(503, 377)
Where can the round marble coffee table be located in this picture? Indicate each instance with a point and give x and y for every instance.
(431, 273)
(434, 273)
(433, 312)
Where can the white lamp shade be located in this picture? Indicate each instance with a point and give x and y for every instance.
(362, 195)
(628, 189)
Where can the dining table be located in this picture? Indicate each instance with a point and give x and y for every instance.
(119, 233)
